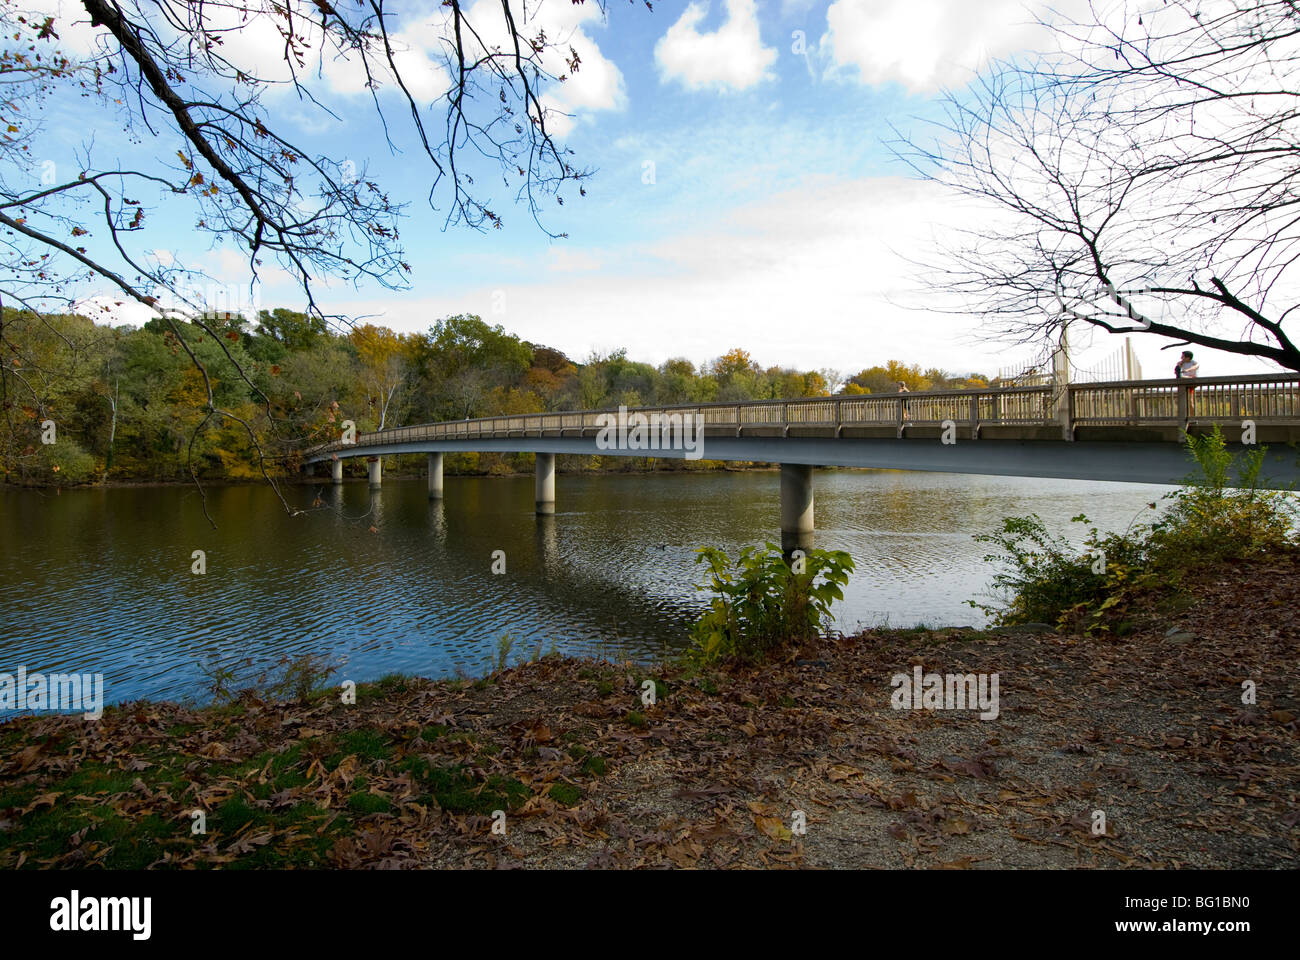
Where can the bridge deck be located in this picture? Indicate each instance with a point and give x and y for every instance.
(1128, 430)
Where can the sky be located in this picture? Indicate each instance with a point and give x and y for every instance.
(745, 193)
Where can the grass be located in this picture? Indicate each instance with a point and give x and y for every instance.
(566, 794)
(131, 809)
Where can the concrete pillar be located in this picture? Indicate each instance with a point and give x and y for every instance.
(545, 471)
(796, 507)
(336, 471)
(376, 471)
(435, 476)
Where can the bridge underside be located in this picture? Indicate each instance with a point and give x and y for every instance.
(1130, 462)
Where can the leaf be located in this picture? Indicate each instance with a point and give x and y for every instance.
(248, 841)
(842, 771)
(27, 756)
(773, 827)
(43, 800)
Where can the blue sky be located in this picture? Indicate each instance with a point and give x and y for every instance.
(744, 196)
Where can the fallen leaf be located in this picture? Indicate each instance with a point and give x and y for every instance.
(773, 827)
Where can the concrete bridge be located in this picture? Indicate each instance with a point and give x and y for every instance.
(1130, 431)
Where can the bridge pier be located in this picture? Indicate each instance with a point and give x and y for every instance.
(435, 476)
(796, 507)
(336, 470)
(545, 471)
(376, 465)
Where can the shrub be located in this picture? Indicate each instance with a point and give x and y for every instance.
(763, 604)
(1209, 521)
(65, 462)
(1046, 579)
(290, 678)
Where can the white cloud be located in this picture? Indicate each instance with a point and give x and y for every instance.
(566, 260)
(806, 277)
(76, 37)
(255, 44)
(730, 58)
(596, 85)
(927, 44)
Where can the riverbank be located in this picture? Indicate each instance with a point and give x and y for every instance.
(416, 470)
(1150, 730)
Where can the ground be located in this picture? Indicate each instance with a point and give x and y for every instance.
(1150, 730)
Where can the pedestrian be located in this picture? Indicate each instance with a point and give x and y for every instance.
(1187, 369)
(902, 388)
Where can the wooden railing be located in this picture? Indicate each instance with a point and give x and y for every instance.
(1264, 399)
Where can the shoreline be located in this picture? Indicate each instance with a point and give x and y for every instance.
(389, 474)
(1149, 728)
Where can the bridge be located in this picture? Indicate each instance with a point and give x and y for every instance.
(1131, 430)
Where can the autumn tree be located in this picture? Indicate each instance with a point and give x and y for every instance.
(177, 79)
(885, 379)
(385, 364)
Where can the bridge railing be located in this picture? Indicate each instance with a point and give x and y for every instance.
(1267, 398)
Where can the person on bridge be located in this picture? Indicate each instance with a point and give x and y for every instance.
(1188, 368)
(902, 388)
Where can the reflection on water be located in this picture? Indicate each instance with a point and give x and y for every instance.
(99, 580)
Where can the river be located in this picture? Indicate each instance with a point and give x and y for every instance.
(101, 581)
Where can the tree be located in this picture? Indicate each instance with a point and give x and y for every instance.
(1143, 178)
(385, 359)
(885, 379)
(291, 328)
(191, 101)
(733, 362)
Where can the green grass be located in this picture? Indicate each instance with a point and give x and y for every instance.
(566, 794)
(456, 791)
(366, 803)
(661, 688)
(368, 743)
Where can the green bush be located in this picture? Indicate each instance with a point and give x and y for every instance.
(763, 604)
(66, 462)
(1046, 579)
(1209, 521)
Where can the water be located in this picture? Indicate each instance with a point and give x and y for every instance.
(100, 580)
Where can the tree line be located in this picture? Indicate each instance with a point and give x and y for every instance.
(86, 402)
